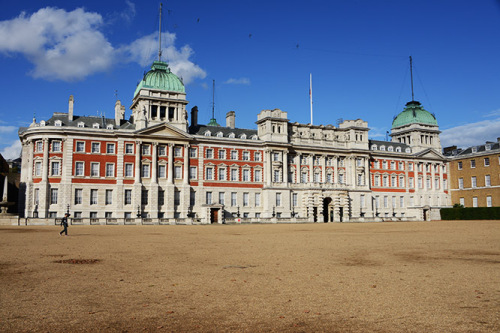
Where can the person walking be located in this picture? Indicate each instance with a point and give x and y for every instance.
(64, 223)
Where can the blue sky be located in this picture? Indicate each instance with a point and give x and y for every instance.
(260, 54)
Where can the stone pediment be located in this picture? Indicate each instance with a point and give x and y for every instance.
(429, 153)
(164, 131)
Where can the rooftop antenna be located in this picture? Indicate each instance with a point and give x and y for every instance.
(310, 95)
(213, 122)
(411, 75)
(159, 34)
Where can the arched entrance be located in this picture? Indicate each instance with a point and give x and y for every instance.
(327, 210)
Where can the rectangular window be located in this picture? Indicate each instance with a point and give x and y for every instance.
(474, 201)
(445, 184)
(257, 199)
(486, 161)
(145, 170)
(93, 197)
(488, 201)
(209, 173)
(393, 165)
(258, 176)
(128, 197)
(362, 201)
(276, 156)
(222, 154)
(360, 179)
(54, 167)
(96, 147)
(145, 149)
(436, 183)
(278, 199)
(401, 166)
(384, 181)
(341, 178)
(246, 175)
(38, 169)
(109, 197)
(208, 198)
(276, 176)
(162, 171)
(473, 181)
(410, 182)
(246, 199)
(144, 197)
(393, 202)
(94, 169)
(108, 215)
(222, 173)
(177, 151)
(246, 156)
(162, 150)
(412, 201)
(129, 170)
(460, 183)
(234, 155)
(193, 152)
(428, 183)
(459, 165)
(80, 147)
(129, 148)
(410, 166)
(177, 198)
(401, 202)
(329, 178)
(472, 163)
(177, 172)
(420, 182)
(393, 182)
(386, 203)
(210, 153)
(233, 199)
(192, 172)
(317, 177)
(303, 177)
(221, 197)
(234, 174)
(56, 146)
(192, 198)
(78, 196)
(110, 148)
(79, 168)
(39, 146)
(110, 170)
(161, 197)
(462, 201)
(401, 181)
(377, 180)
(256, 156)
(487, 180)
(384, 164)
(53, 196)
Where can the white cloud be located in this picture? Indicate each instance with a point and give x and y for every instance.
(241, 80)
(471, 134)
(12, 151)
(69, 46)
(379, 133)
(7, 129)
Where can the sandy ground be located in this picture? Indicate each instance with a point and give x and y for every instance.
(353, 277)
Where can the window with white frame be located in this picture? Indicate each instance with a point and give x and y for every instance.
(401, 181)
(234, 154)
(278, 199)
(93, 196)
(162, 171)
(393, 165)
(55, 169)
(474, 201)
(193, 172)
(246, 156)
(459, 165)
(96, 147)
(246, 199)
(192, 198)
(219, 134)
(145, 170)
(78, 196)
(209, 153)
(39, 146)
(80, 147)
(233, 199)
(258, 175)
(377, 180)
(394, 181)
(303, 177)
(410, 166)
(110, 170)
(81, 124)
(129, 148)
(436, 183)
(38, 169)
(79, 168)
(222, 173)
(488, 201)
(128, 197)
(412, 201)
(276, 176)
(329, 178)
(94, 169)
(162, 150)
(341, 178)
(234, 174)
(54, 193)
(257, 199)
(110, 148)
(95, 125)
(401, 201)
(473, 181)
(428, 182)
(486, 161)
(129, 170)
(317, 177)
(360, 179)
(384, 164)
(193, 152)
(109, 197)
(256, 156)
(487, 180)
(460, 183)
(222, 154)
(246, 175)
(462, 201)
(208, 197)
(178, 172)
(145, 149)
(56, 146)
(209, 173)
(386, 203)
(445, 184)
(177, 151)
(385, 180)
(393, 201)
(221, 198)
(472, 163)
(420, 182)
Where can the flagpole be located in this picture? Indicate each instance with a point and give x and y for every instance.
(310, 95)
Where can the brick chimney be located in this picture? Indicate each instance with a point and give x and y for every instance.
(231, 119)
(194, 116)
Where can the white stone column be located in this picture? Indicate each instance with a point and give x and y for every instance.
(154, 163)
(268, 167)
(170, 172)
(298, 175)
(45, 165)
(285, 167)
(323, 169)
(137, 175)
(335, 169)
(311, 168)
(185, 179)
(433, 175)
(367, 172)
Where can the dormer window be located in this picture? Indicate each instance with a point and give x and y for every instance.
(474, 149)
(487, 147)
(110, 127)
(81, 124)
(374, 147)
(407, 150)
(219, 134)
(208, 133)
(231, 135)
(58, 123)
(95, 125)
(390, 148)
(398, 149)
(42, 123)
(243, 136)
(254, 137)
(382, 148)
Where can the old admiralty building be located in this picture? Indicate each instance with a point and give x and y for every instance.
(161, 166)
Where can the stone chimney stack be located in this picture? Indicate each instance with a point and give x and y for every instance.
(70, 108)
(194, 116)
(231, 119)
(119, 112)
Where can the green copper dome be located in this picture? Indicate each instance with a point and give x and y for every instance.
(414, 113)
(161, 78)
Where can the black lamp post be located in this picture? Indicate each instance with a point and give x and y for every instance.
(138, 211)
(238, 213)
(274, 211)
(67, 209)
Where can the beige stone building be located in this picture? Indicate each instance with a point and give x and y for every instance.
(475, 175)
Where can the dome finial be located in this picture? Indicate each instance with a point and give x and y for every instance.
(411, 75)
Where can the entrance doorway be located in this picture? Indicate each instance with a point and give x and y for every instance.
(341, 214)
(426, 212)
(327, 210)
(315, 214)
(214, 215)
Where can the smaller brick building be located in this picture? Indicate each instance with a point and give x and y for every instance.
(475, 175)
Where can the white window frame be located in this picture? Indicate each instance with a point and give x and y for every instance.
(79, 169)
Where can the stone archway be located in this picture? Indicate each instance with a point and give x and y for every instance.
(327, 209)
